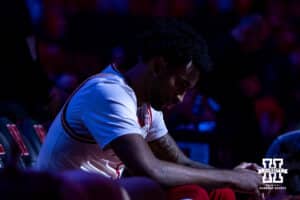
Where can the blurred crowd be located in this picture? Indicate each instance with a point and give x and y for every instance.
(250, 97)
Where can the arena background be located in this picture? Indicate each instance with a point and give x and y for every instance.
(251, 96)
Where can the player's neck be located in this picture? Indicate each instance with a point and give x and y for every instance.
(137, 80)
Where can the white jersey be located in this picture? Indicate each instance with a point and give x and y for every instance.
(111, 69)
(105, 107)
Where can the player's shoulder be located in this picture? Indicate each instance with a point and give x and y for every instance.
(103, 80)
(110, 85)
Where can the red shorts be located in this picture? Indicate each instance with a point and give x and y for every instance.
(195, 192)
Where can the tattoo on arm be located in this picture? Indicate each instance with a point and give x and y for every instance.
(165, 148)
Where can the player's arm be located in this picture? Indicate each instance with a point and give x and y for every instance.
(165, 148)
(138, 157)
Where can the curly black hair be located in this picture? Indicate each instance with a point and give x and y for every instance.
(177, 42)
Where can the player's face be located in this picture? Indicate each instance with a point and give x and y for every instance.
(169, 87)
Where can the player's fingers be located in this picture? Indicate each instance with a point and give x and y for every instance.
(262, 196)
(255, 166)
(258, 194)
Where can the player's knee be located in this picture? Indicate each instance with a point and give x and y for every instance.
(193, 192)
(223, 194)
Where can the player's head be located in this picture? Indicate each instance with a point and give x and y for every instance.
(176, 56)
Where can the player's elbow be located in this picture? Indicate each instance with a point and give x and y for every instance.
(159, 173)
(153, 170)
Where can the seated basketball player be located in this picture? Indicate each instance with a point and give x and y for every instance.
(113, 121)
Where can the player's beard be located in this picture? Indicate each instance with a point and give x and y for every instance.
(157, 99)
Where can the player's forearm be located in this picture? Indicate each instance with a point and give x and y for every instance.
(170, 174)
(165, 148)
(197, 165)
(138, 157)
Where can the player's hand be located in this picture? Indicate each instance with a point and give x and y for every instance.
(249, 166)
(254, 167)
(247, 181)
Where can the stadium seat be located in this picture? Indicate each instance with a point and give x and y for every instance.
(34, 132)
(4, 144)
(12, 136)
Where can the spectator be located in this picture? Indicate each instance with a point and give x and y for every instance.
(287, 147)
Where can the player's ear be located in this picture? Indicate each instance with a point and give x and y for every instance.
(158, 65)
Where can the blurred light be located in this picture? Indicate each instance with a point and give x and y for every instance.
(206, 126)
